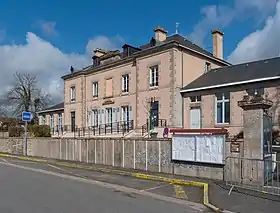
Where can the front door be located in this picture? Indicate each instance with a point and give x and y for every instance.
(195, 118)
(73, 124)
(154, 113)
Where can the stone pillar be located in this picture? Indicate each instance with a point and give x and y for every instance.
(254, 109)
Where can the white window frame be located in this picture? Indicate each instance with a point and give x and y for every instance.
(59, 121)
(95, 120)
(154, 76)
(125, 113)
(196, 99)
(125, 83)
(43, 119)
(223, 101)
(109, 115)
(51, 121)
(95, 89)
(73, 94)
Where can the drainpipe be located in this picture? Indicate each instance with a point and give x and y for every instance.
(182, 83)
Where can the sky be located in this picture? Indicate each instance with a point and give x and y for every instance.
(47, 37)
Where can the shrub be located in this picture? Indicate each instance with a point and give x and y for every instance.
(39, 130)
(15, 131)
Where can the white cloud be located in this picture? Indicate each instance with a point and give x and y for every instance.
(47, 27)
(220, 16)
(46, 61)
(264, 43)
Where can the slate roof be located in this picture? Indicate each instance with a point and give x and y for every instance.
(251, 71)
(172, 38)
(53, 108)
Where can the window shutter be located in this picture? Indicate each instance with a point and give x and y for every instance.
(123, 79)
(151, 79)
(118, 119)
(130, 113)
(103, 121)
(99, 117)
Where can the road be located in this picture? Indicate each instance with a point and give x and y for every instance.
(25, 191)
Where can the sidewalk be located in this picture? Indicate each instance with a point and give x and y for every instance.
(239, 200)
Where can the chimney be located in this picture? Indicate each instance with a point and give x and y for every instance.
(217, 39)
(99, 52)
(160, 34)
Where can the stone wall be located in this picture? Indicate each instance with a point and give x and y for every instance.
(143, 154)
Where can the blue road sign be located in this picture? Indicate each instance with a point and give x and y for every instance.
(26, 116)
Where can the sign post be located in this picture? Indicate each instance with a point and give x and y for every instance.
(26, 117)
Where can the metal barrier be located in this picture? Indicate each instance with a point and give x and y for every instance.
(254, 174)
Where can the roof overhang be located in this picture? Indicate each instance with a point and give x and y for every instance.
(168, 44)
(230, 84)
(50, 110)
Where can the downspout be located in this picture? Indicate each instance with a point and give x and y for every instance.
(183, 111)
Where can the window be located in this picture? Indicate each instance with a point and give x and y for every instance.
(109, 87)
(258, 91)
(51, 121)
(95, 89)
(222, 108)
(207, 67)
(95, 117)
(125, 83)
(43, 119)
(73, 94)
(59, 121)
(109, 115)
(125, 113)
(195, 98)
(154, 76)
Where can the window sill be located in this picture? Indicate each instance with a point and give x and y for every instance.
(222, 125)
(107, 97)
(72, 101)
(94, 98)
(153, 87)
(125, 93)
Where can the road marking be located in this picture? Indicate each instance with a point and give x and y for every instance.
(64, 170)
(180, 192)
(197, 206)
(156, 187)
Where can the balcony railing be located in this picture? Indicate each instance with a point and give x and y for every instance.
(103, 129)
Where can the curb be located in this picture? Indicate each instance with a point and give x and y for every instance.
(202, 185)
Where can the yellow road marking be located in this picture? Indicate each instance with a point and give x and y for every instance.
(156, 187)
(180, 192)
(203, 185)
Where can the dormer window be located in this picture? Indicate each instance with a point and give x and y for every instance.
(153, 42)
(207, 67)
(95, 61)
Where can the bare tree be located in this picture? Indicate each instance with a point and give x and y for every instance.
(24, 95)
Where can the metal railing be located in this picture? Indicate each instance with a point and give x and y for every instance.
(105, 129)
(254, 174)
(155, 123)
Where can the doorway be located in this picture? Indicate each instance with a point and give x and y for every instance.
(73, 121)
(195, 118)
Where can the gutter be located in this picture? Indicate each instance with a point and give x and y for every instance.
(229, 84)
(132, 57)
(50, 110)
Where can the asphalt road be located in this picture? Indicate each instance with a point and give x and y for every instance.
(25, 191)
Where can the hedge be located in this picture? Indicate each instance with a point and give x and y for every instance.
(15, 131)
(39, 130)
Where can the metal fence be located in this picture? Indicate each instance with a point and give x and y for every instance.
(254, 174)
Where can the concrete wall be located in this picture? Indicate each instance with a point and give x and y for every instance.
(148, 155)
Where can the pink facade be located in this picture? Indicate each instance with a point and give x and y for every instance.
(122, 89)
(203, 112)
